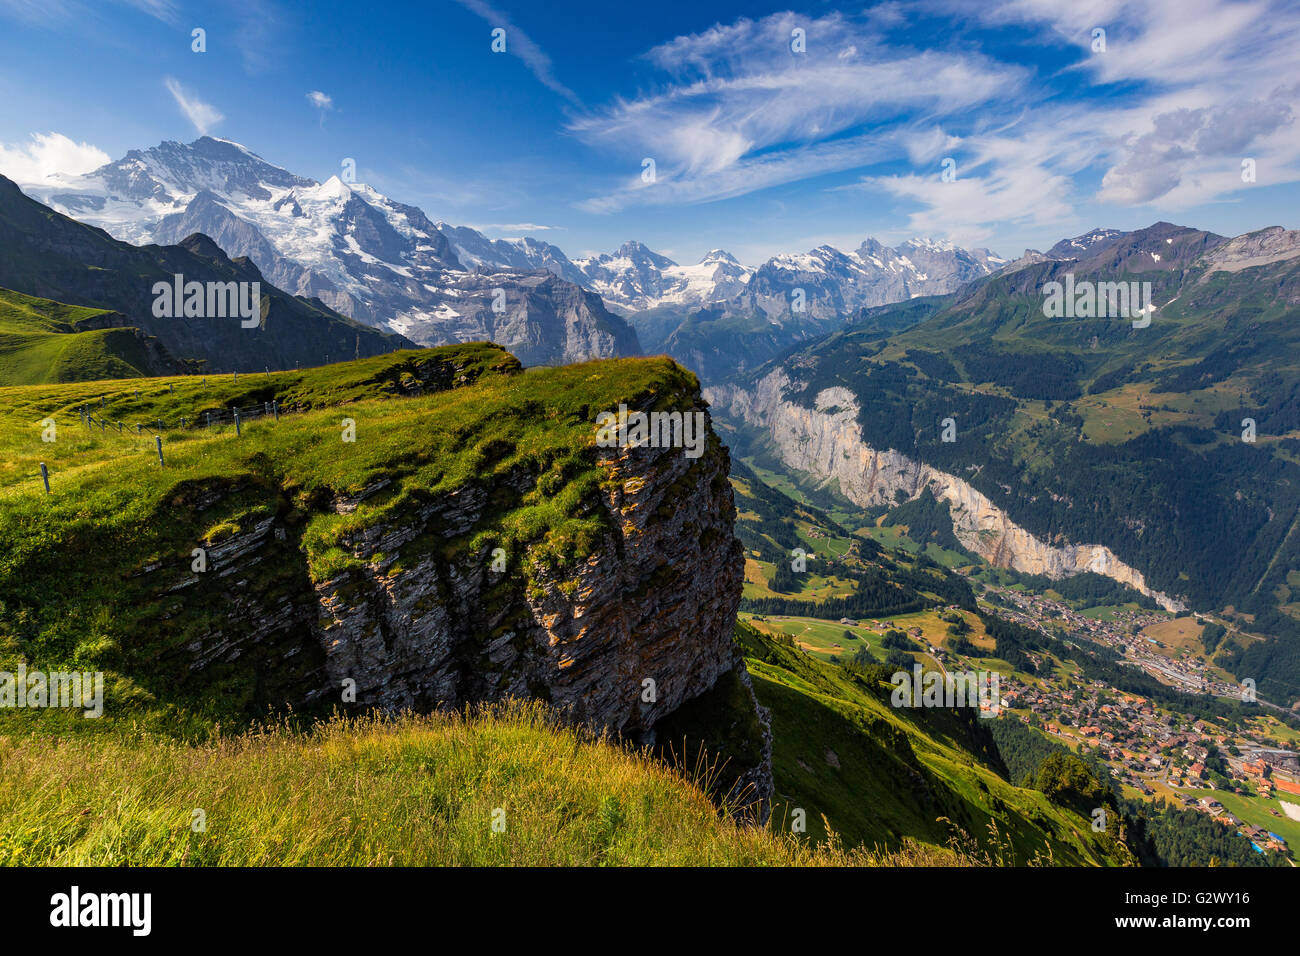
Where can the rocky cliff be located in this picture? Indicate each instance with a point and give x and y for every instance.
(634, 630)
(408, 591)
(825, 441)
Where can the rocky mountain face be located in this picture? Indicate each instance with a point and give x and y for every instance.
(538, 316)
(364, 255)
(45, 254)
(1252, 249)
(825, 441)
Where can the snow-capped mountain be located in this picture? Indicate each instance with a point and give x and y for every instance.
(475, 250)
(379, 261)
(631, 279)
(635, 279)
(388, 265)
(1080, 246)
(835, 283)
(715, 278)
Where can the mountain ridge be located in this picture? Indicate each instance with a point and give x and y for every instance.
(379, 261)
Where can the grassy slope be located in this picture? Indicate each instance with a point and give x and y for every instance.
(40, 343)
(899, 770)
(414, 791)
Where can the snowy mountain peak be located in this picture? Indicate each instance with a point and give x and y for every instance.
(379, 261)
(934, 245)
(334, 187)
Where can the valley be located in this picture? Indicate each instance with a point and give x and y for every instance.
(696, 574)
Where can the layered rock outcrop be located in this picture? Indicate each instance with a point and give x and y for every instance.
(826, 442)
(634, 630)
(421, 614)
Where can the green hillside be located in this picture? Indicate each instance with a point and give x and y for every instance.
(506, 786)
(879, 774)
(88, 581)
(42, 341)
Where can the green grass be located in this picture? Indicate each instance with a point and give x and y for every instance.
(818, 637)
(419, 791)
(1254, 809)
(44, 341)
(879, 775)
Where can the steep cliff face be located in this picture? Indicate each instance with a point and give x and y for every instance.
(637, 628)
(825, 441)
(539, 317)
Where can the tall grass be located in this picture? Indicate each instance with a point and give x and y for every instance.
(409, 790)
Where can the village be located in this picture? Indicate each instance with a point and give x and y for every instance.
(1121, 634)
(1157, 752)
(1152, 749)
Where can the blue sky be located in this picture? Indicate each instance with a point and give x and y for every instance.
(758, 148)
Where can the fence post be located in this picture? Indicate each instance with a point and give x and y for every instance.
(209, 420)
(237, 429)
(119, 428)
(275, 408)
(158, 438)
(137, 428)
(160, 424)
(45, 477)
(171, 387)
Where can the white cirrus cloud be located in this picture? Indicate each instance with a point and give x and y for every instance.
(1162, 119)
(203, 115)
(740, 111)
(48, 154)
(57, 13)
(321, 101)
(513, 227)
(519, 44)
